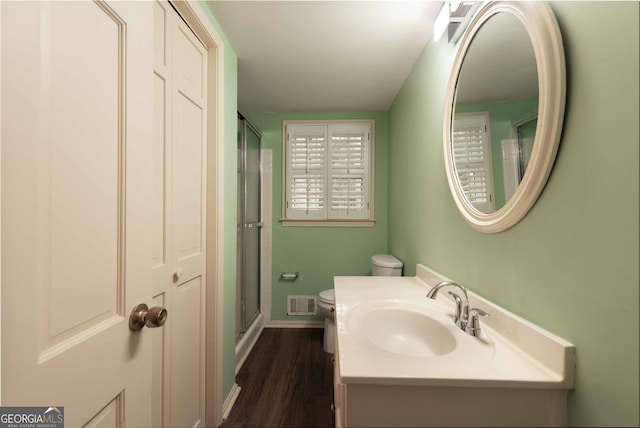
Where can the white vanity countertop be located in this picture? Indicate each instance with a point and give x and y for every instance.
(511, 352)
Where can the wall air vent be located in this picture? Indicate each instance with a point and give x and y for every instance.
(301, 305)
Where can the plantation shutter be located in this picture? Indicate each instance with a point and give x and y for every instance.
(328, 172)
(472, 158)
(306, 172)
(348, 172)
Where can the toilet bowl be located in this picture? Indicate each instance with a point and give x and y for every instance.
(381, 265)
(326, 304)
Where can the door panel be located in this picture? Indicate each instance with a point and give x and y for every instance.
(76, 144)
(110, 416)
(85, 171)
(161, 10)
(239, 229)
(179, 219)
(160, 225)
(162, 128)
(250, 227)
(187, 152)
(251, 235)
(186, 375)
(190, 63)
(189, 157)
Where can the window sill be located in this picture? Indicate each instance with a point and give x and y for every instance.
(327, 223)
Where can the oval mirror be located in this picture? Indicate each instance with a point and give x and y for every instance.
(504, 112)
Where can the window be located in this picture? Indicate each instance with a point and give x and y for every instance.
(472, 158)
(327, 173)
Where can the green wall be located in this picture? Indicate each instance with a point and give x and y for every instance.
(571, 265)
(320, 253)
(230, 201)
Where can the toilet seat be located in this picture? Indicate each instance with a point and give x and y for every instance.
(327, 296)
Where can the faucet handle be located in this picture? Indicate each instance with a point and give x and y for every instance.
(473, 326)
(458, 315)
(480, 312)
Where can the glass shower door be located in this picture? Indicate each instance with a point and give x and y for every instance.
(249, 226)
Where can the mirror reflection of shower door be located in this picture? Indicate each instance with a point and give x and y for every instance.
(526, 136)
(250, 225)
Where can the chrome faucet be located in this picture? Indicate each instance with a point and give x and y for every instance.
(461, 317)
(462, 311)
(434, 291)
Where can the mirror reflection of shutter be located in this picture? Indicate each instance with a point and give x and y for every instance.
(349, 149)
(510, 174)
(472, 158)
(306, 172)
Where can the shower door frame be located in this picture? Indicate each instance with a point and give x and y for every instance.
(242, 323)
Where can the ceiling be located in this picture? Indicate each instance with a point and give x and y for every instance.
(324, 55)
(498, 67)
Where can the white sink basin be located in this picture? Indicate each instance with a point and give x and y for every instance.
(401, 360)
(389, 332)
(401, 329)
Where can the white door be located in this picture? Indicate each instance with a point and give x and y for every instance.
(76, 202)
(178, 263)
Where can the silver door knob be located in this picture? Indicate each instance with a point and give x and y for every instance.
(142, 316)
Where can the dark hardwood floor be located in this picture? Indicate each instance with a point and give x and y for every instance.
(286, 381)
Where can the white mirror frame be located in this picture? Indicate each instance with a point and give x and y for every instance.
(542, 27)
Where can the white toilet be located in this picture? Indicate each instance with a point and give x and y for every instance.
(381, 265)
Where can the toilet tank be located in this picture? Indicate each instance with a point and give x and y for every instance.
(385, 265)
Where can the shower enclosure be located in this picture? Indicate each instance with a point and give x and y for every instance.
(248, 227)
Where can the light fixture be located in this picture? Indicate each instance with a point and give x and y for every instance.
(453, 18)
(441, 23)
(460, 17)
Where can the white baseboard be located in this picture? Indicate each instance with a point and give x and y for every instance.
(230, 401)
(294, 324)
